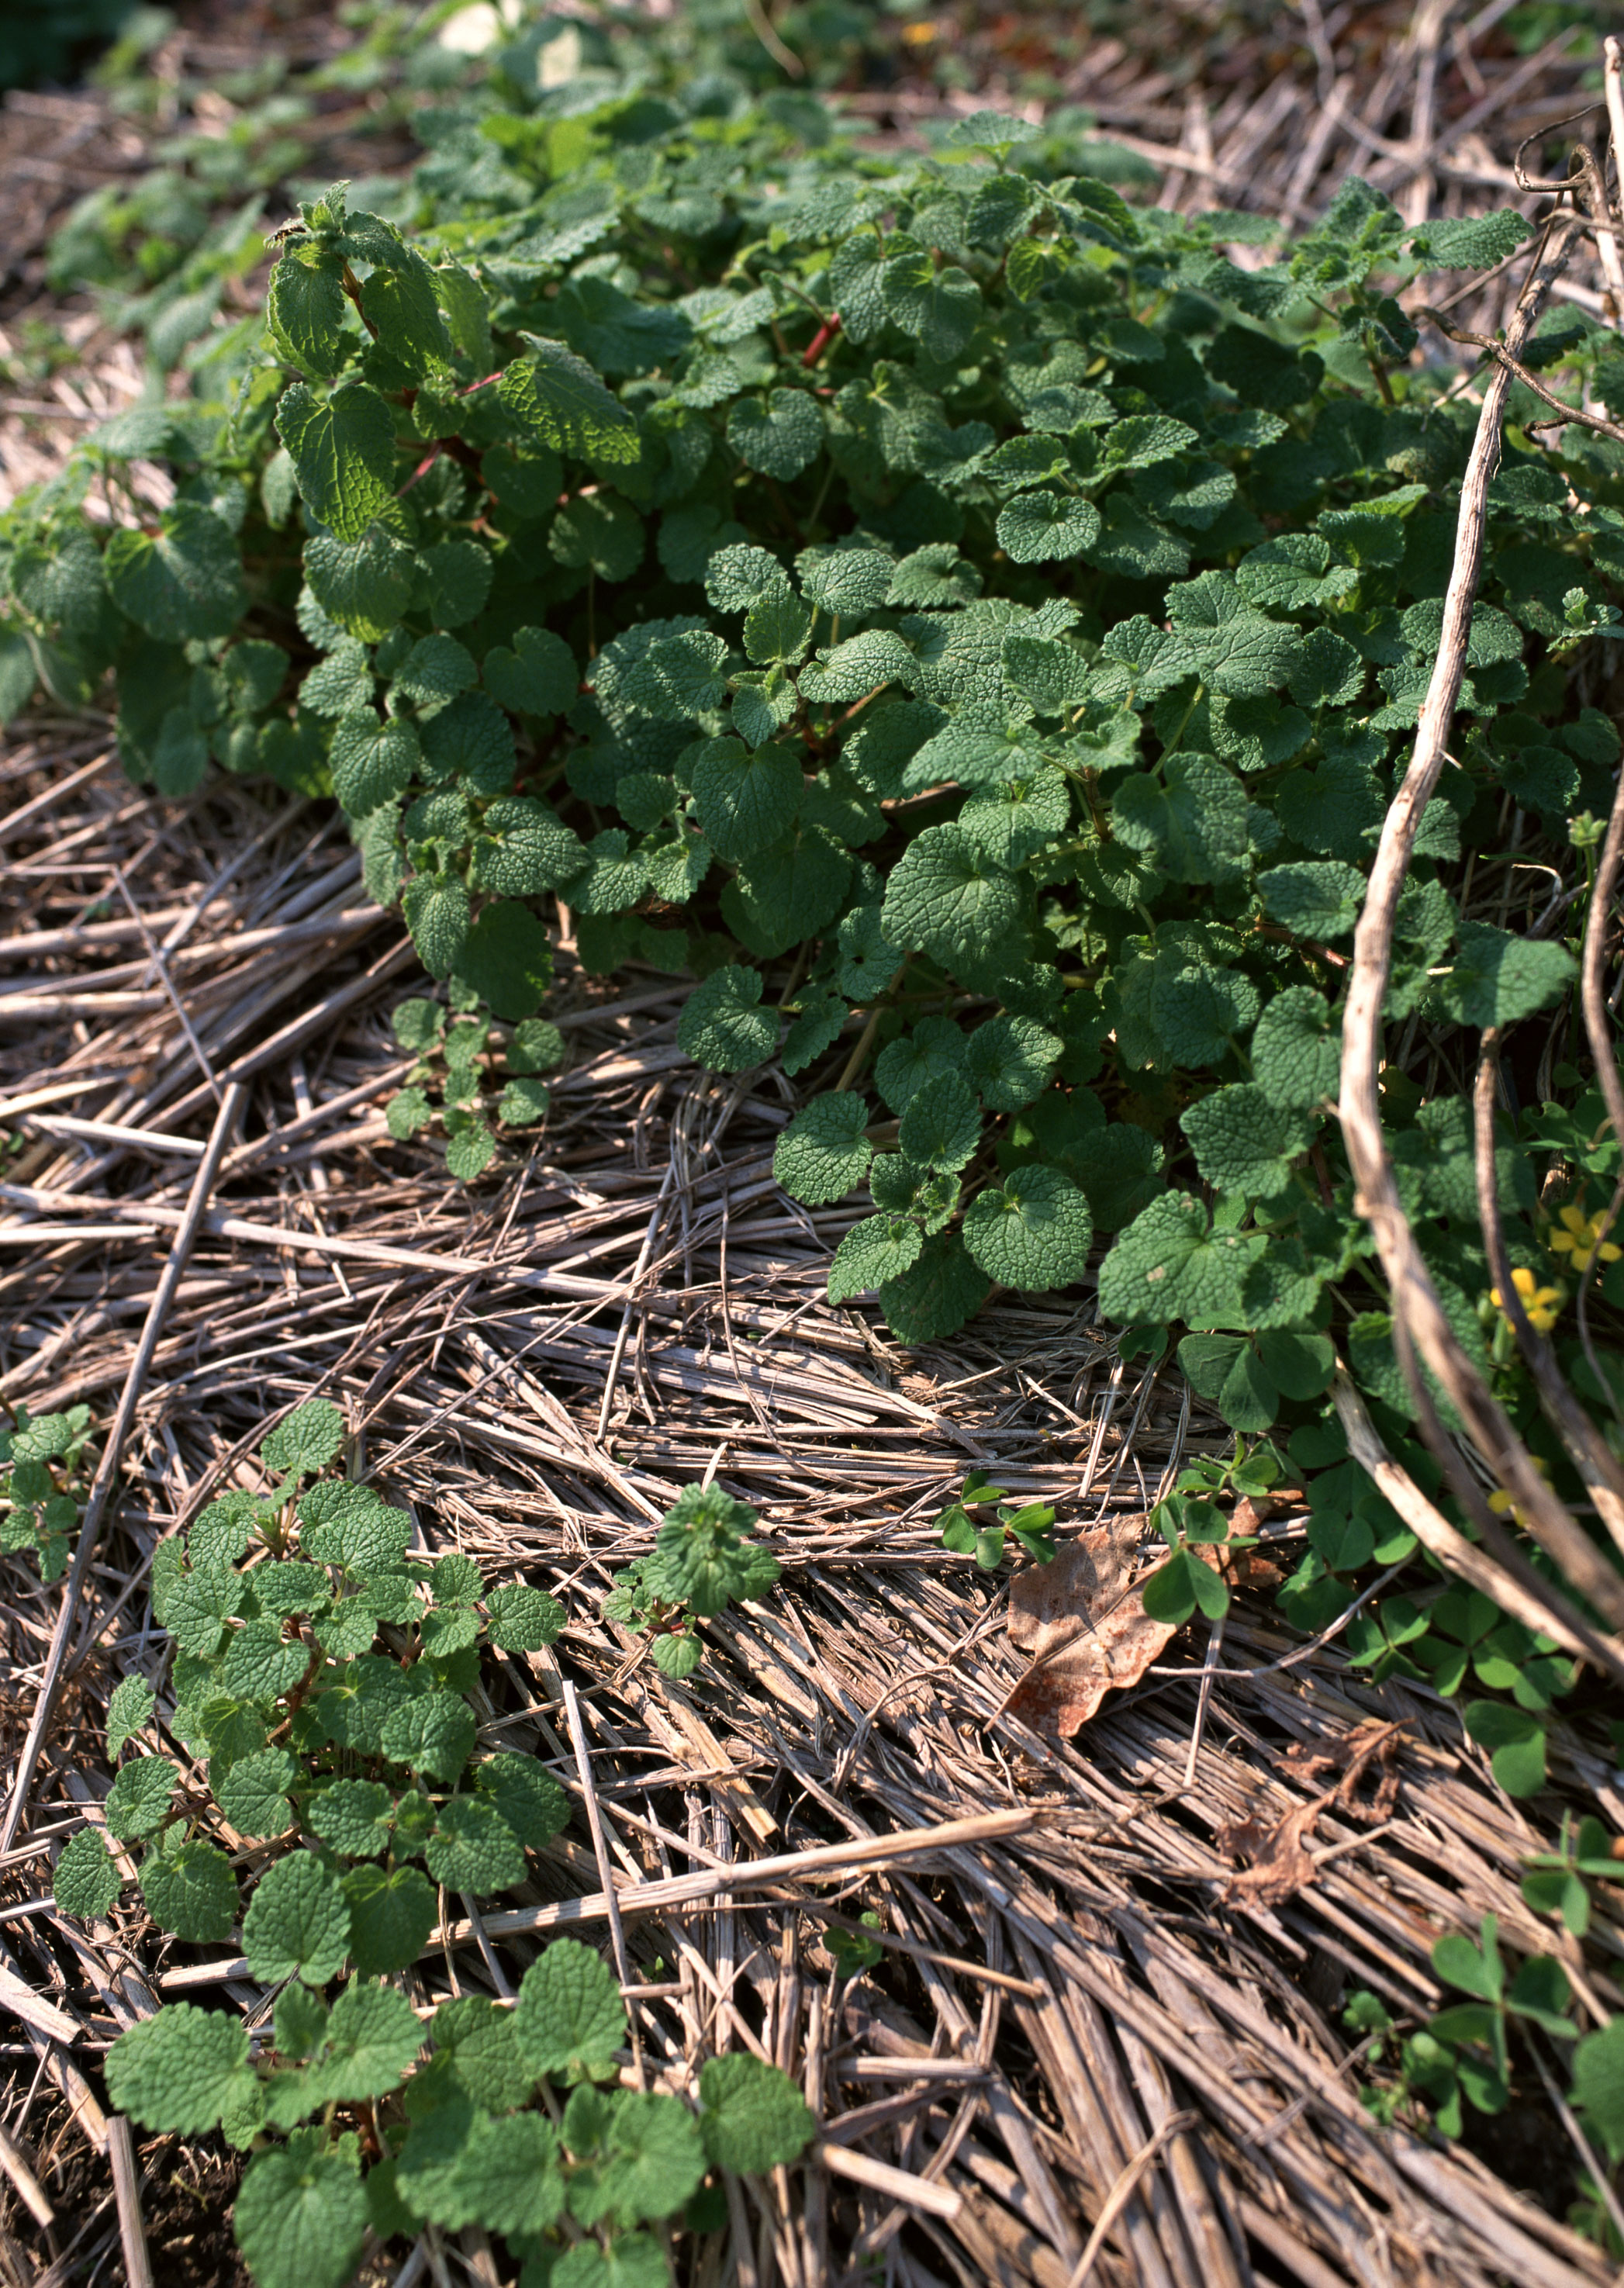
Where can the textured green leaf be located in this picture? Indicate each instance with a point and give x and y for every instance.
(937, 1294)
(1296, 1056)
(506, 959)
(353, 1817)
(472, 1848)
(433, 1734)
(941, 1126)
(305, 1439)
(1040, 527)
(85, 1882)
(1319, 901)
(522, 1619)
(1167, 1265)
(130, 1710)
(779, 434)
(179, 2070)
(509, 2175)
(1032, 1232)
(557, 397)
(569, 2020)
(529, 1799)
(391, 1917)
(305, 307)
(878, 1248)
(824, 1151)
(701, 1558)
(138, 1801)
(343, 451)
(373, 762)
(646, 2159)
(1469, 241)
(935, 1046)
(300, 2218)
(752, 2117)
(298, 1922)
(252, 1793)
(1244, 1142)
(949, 900)
(1498, 978)
(536, 676)
(438, 916)
(181, 582)
(191, 1893)
(941, 308)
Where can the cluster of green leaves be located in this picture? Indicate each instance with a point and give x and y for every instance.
(451, 1046)
(1026, 1523)
(972, 627)
(161, 253)
(41, 1462)
(353, 2131)
(325, 1676)
(1462, 2054)
(701, 1563)
(1019, 661)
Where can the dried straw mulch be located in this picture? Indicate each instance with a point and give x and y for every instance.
(1082, 2019)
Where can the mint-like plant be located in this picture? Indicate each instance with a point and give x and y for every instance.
(324, 1673)
(506, 2123)
(325, 1676)
(41, 1464)
(701, 1563)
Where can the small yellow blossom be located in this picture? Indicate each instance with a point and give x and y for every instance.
(1541, 1304)
(1578, 1236)
(1500, 1501)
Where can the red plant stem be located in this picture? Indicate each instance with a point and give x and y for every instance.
(821, 339)
(422, 470)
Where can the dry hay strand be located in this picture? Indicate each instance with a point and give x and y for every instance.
(1082, 2017)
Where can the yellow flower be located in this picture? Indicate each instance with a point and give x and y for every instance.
(1541, 1304)
(1500, 1501)
(1578, 1237)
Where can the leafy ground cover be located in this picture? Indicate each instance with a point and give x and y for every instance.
(970, 629)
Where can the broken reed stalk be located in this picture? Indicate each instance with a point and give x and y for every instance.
(106, 1469)
(1419, 1316)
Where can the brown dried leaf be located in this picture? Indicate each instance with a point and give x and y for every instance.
(1349, 1756)
(1281, 1862)
(1282, 1865)
(1085, 1627)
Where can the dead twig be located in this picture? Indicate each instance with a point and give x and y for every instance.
(112, 1454)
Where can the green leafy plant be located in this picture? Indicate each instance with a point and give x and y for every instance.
(324, 1673)
(352, 2130)
(41, 1465)
(974, 628)
(701, 1563)
(1554, 1882)
(1462, 2053)
(453, 1050)
(1026, 1523)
